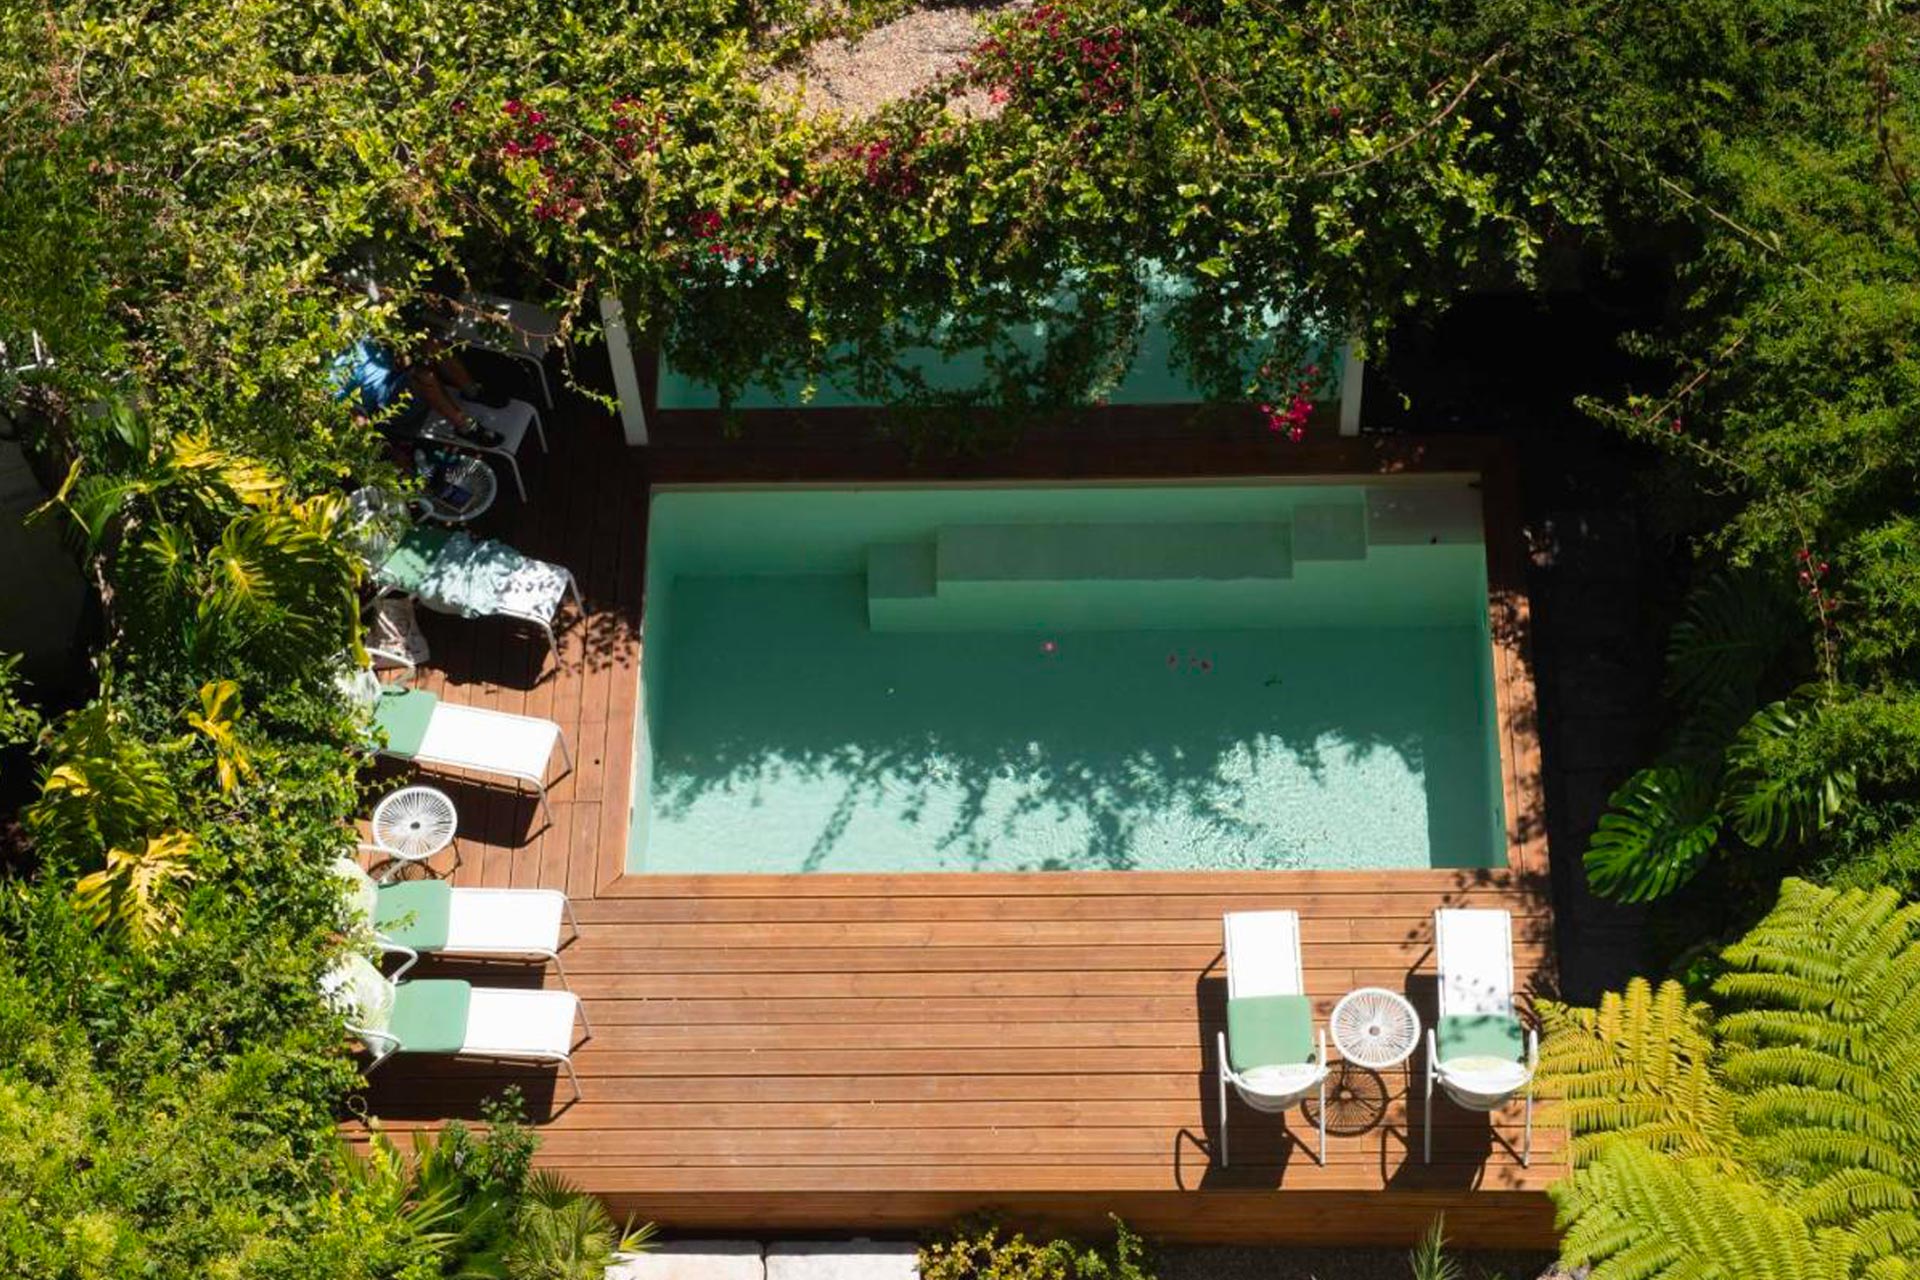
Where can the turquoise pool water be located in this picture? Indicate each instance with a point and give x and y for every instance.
(1154, 376)
(1043, 678)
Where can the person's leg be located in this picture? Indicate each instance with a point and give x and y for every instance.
(451, 371)
(428, 387)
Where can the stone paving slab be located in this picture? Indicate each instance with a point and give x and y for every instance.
(694, 1260)
(843, 1260)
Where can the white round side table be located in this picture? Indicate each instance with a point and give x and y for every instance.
(1375, 1028)
(413, 824)
(470, 473)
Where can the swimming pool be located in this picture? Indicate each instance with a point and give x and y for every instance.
(1089, 677)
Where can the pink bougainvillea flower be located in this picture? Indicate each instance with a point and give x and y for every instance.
(513, 106)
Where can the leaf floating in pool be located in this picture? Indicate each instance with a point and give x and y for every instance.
(1271, 681)
(1173, 661)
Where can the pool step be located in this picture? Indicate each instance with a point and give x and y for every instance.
(1329, 531)
(901, 587)
(1063, 553)
(1423, 515)
(1016, 577)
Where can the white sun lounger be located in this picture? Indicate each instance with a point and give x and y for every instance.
(431, 917)
(426, 731)
(1269, 1053)
(455, 1019)
(1475, 1052)
(437, 567)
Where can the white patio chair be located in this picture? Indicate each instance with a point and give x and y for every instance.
(432, 917)
(509, 327)
(450, 571)
(1268, 1052)
(511, 421)
(455, 1019)
(426, 731)
(1475, 1052)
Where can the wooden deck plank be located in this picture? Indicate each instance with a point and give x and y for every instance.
(887, 1052)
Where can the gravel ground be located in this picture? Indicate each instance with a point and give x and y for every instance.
(891, 62)
(1195, 1262)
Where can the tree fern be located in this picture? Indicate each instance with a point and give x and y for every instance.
(1635, 1214)
(1797, 1086)
(1638, 1067)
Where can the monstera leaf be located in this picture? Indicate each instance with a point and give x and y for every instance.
(1661, 828)
(1768, 796)
(1735, 627)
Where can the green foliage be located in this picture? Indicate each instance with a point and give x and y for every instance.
(1429, 1260)
(20, 720)
(137, 895)
(1737, 778)
(1640, 1067)
(982, 1250)
(559, 1233)
(1779, 1125)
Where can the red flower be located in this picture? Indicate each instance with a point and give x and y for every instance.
(513, 107)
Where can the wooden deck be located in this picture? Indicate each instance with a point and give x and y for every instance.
(888, 1052)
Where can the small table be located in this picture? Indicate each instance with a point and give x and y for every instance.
(413, 824)
(470, 473)
(1375, 1028)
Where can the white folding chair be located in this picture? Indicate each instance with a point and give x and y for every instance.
(1268, 1052)
(1475, 1053)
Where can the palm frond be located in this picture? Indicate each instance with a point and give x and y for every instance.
(137, 895)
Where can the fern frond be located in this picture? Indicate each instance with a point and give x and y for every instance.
(1639, 1065)
(1758, 1070)
(1848, 1195)
(1637, 1214)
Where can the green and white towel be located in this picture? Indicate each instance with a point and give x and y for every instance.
(455, 573)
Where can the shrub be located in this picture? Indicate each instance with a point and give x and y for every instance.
(983, 1250)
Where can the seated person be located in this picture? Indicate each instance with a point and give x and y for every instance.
(402, 395)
